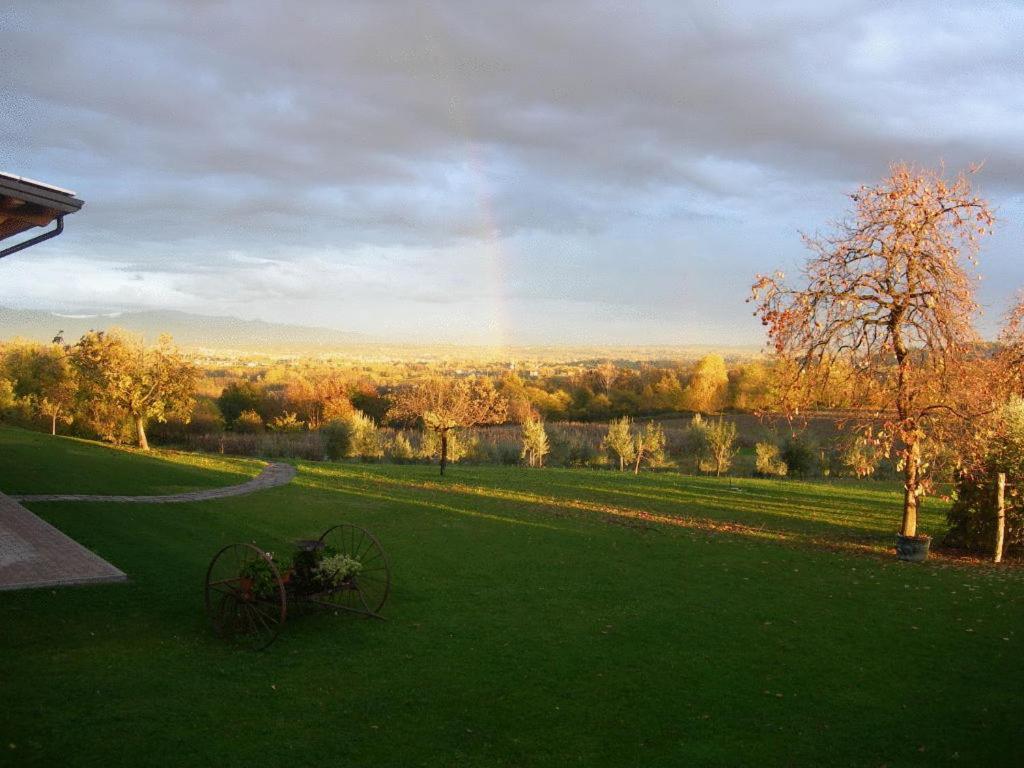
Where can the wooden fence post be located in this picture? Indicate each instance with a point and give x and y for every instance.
(1000, 515)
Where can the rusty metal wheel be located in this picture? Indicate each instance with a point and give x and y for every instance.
(242, 609)
(369, 589)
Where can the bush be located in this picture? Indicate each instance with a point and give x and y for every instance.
(365, 441)
(799, 457)
(399, 449)
(972, 518)
(286, 422)
(337, 439)
(769, 461)
(249, 423)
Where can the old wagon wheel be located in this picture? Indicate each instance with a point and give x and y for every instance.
(248, 610)
(370, 587)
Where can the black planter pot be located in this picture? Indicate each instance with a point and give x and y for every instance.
(913, 549)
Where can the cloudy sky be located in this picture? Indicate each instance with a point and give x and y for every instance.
(488, 173)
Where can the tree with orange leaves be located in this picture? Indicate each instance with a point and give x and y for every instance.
(886, 310)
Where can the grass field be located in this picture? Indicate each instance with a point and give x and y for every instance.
(31, 462)
(539, 617)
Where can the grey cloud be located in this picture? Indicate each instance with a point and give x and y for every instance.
(196, 131)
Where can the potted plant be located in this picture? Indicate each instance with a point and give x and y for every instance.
(337, 570)
(256, 580)
(913, 549)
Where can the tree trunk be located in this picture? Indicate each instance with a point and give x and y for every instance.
(444, 449)
(53, 423)
(639, 455)
(911, 488)
(1000, 516)
(140, 427)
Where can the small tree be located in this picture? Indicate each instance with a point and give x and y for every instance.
(535, 442)
(619, 441)
(365, 440)
(45, 378)
(443, 405)
(885, 310)
(155, 383)
(768, 461)
(650, 448)
(721, 445)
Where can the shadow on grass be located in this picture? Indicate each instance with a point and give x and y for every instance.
(338, 478)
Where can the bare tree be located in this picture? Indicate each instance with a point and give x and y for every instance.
(446, 404)
(887, 303)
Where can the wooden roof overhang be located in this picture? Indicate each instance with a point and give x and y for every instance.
(26, 204)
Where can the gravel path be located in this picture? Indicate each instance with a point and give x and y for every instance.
(272, 476)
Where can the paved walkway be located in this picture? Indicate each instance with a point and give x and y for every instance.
(35, 554)
(272, 476)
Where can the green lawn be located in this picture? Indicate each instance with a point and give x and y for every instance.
(538, 618)
(31, 462)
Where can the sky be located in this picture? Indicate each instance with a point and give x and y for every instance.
(489, 173)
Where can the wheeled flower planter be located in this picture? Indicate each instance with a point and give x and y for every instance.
(247, 595)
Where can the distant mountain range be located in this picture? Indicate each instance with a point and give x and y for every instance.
(188, 330)
(232, 335)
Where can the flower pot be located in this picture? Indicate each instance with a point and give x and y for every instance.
(245, 588)
(913, 549)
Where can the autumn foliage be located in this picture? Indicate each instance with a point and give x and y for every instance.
(885, 310)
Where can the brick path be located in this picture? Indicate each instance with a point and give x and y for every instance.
(271, 476)
(35, 554)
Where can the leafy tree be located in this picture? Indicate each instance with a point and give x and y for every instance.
(768, 462)
(721, 445)
(239, 397)
(457, 445)
(143, 384)
(887, 303)
(619, 441)
(367, 399)
(751, 385)
(667, 394)
(45, 377)
(709, 385)
(535, 442)
(7, 396)
(651, 448)
(520, 409)
(443, 405)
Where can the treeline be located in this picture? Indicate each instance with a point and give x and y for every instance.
(307, 397)
(107, 385)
